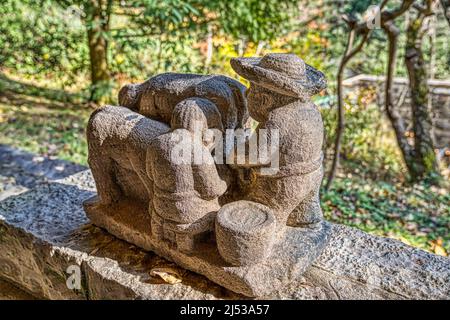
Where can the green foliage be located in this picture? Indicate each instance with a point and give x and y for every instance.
(153, 17)
(42, 38)
(359, 7)
(102, 92)
(37, 37)
(255, 20)
(368, 146)
(418, 215)
(312, 47)
(54, 131)
(145, 57)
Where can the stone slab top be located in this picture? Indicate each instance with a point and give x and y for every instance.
(44, 230)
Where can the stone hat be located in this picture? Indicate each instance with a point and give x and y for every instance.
(283, 73)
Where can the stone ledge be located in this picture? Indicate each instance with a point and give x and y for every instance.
(10, 292)
(21, 170)
(43, 231)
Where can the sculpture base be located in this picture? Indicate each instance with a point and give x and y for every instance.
(291, 256)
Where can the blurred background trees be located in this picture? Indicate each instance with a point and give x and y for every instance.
(419, 157)
(118, 34)
(92, 47)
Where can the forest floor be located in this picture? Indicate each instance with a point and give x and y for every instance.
(418, 214)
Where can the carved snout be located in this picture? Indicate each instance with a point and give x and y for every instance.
(129, 96)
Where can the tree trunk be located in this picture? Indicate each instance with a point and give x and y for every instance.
(349, 53)
(209, 48)
(424, 163)
(397, 121)
(97, 24)
(446, 8)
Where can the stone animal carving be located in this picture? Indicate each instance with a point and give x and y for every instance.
(118, 139)
(185, 193)
(158, 96)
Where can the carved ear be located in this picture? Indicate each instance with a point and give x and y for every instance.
(129, 96)
(266, 99)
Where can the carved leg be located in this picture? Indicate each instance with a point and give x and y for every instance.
(103, 172)
(308, 212)
(185, 242)
(138, 164)
(157, 228)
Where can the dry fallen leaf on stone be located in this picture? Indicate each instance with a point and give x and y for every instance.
(440, 251)
(437, 247)
(169, 275)
(94, 251)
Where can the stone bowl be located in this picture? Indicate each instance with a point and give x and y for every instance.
(245, 232)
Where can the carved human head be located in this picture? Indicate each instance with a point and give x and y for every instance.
(260, 101)
(188, 115)
(276, 80)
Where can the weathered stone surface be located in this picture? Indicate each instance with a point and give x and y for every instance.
(282, 73)
(245, 232)
(10, 292)
(290, 257)
(21, 170)
(157, 97)
(118, 139)
(154, 163)
(44, 230)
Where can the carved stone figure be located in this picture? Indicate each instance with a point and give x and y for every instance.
(118, 139)
(248, 225)
(158, 96)
(185, 193)
(281, 86)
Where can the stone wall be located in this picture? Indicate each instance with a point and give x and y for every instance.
(439, 102)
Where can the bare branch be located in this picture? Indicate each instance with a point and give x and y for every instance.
(387, 15)
(358, 28)
(383, 4)
(348, 55)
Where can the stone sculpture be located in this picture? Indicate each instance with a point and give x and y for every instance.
(245, 224)
(156, 97)
(117, 142)
(185, 194)
(279, 99)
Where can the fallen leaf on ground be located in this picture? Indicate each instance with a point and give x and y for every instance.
(440, 251)
(169, 275)
(437, 247)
